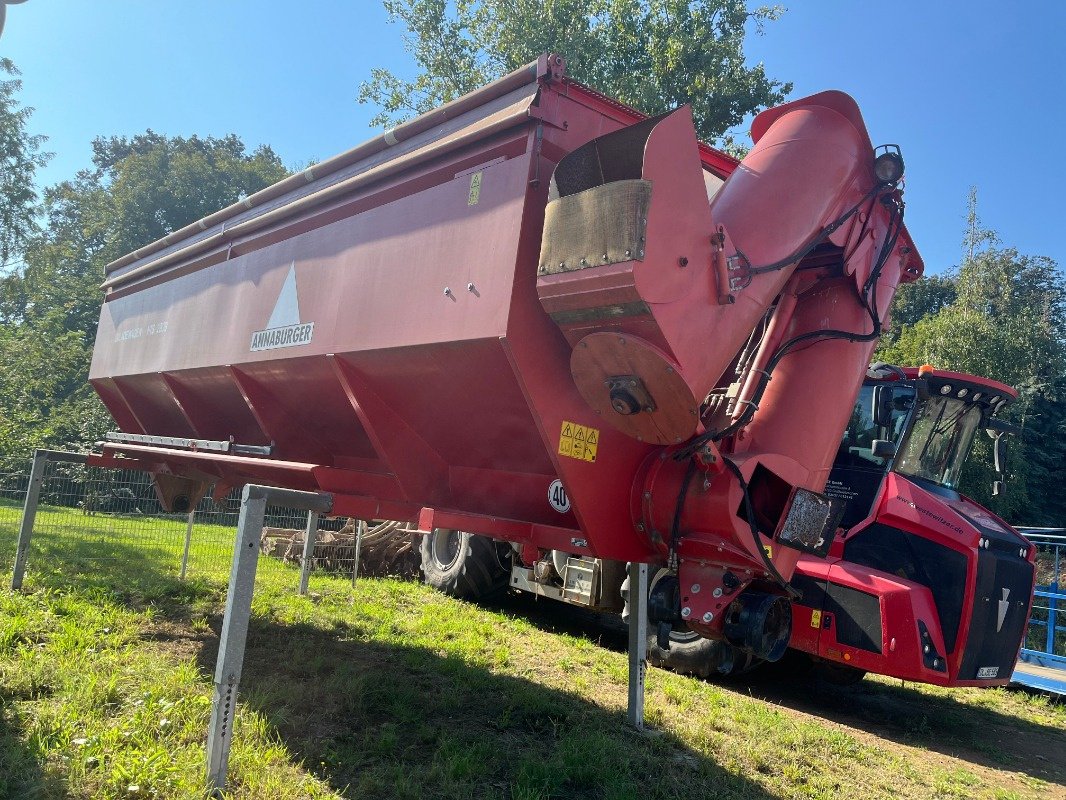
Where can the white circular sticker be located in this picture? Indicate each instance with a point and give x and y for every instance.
(557, 497)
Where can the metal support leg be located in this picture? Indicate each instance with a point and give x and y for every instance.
(360, 527)
(29, 514)
(310, 535)
(234, 636)
(638, 642)
(188, 544)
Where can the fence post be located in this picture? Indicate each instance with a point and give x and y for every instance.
(188, 544)
(360, 526)
(310, 535)
(238, 614)
(29, 514)
(638, 641)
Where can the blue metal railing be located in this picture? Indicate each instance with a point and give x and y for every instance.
(1045, 640)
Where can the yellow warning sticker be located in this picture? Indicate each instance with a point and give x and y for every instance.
(579, 441)
(768, 550)
(475, 189)
(816, 618)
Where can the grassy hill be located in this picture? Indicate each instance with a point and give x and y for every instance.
(389, 690)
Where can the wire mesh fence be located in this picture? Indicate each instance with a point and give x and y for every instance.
(1047, 624)
(99, 522)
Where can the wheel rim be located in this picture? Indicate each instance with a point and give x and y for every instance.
(445, 547)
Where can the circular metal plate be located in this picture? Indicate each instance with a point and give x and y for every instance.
(599, 357)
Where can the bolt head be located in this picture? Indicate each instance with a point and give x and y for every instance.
(708, 617)
(717, 591)
(686, 612)
(695, 589)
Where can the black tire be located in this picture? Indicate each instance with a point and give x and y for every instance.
(692, 654)
(464, 565)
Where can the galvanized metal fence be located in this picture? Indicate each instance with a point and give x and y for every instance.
(96, 521)
(1046, 636)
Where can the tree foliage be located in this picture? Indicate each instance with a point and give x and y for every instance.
(20, 157)
(652, 54)
(138, 189)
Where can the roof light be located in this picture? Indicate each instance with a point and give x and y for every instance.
(888, 166)
(962, 393)
(945, 389)
(925, 369)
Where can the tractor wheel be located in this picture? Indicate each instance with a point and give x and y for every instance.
(464, 565)
(690, 653)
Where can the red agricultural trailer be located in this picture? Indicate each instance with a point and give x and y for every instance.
(537, 315)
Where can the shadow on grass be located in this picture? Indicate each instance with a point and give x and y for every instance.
(376, 720)
(21, 775)
(899, 713)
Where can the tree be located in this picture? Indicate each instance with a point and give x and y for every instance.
(915, 301)
(20, 157)
(138, 190)
(652, 54)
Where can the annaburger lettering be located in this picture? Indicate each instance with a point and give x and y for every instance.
(289, 336)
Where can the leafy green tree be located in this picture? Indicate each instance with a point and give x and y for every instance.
(914, 301)
(20, 157)
(652, 54)
(138, 190)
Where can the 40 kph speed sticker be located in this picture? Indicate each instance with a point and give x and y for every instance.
(558, 497)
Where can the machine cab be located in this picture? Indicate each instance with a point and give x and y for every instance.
(920, 427)
(922, 583)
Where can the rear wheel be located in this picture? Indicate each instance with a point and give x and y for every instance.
(692, 654)
(689, 653)
(463, 564)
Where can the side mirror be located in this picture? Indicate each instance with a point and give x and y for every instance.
(883, 448)
(997, 430)
(999, 453)
(881, 412)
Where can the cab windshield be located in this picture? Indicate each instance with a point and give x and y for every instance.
(939, 440)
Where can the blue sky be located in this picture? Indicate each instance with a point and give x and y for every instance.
(972, 91)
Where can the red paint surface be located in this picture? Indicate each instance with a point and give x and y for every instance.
(416, 392)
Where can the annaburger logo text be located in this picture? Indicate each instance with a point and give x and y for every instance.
(284, 328)
(288, 336)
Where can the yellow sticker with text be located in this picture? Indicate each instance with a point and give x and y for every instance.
(579, 441)
(816, 618)
(768, 550)
(475, 189)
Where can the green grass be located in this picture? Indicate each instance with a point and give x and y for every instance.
(390, 690)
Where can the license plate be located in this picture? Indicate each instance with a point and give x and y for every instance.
(988, 672)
